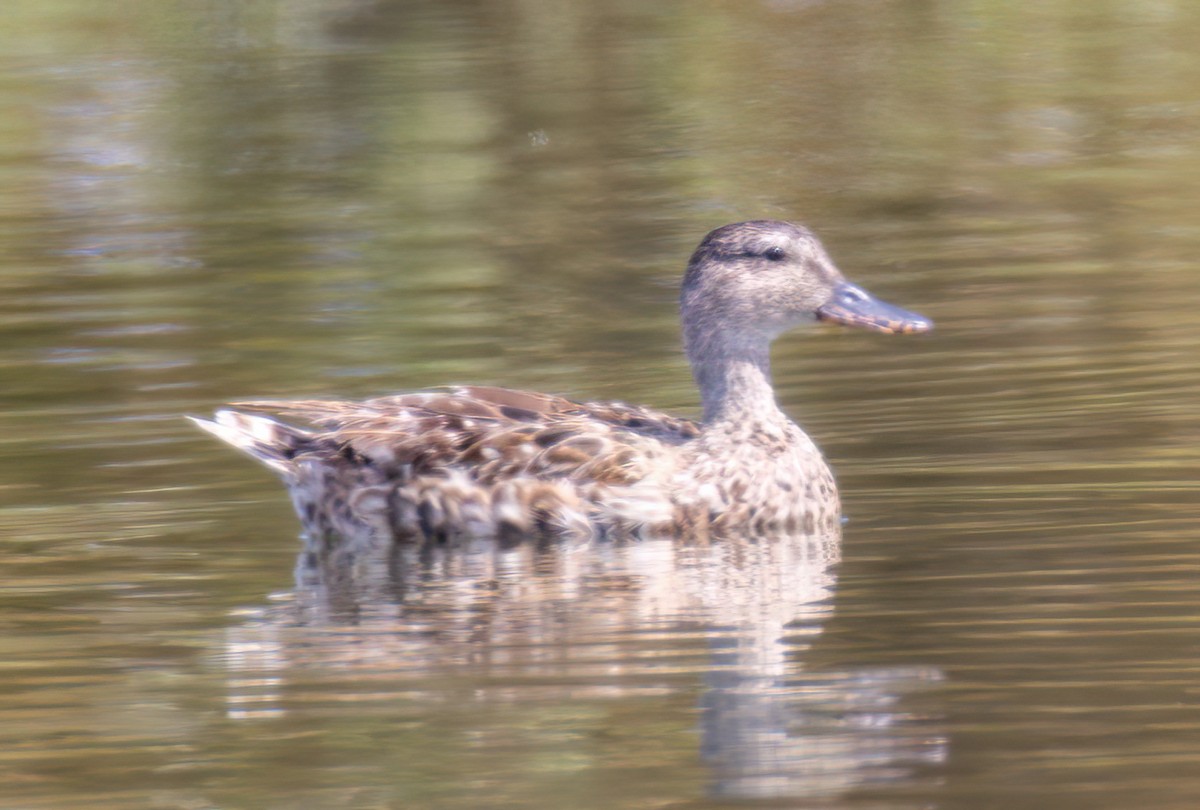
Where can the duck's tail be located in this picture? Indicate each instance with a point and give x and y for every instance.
(260, 437)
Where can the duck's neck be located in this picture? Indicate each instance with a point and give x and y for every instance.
(734, 377)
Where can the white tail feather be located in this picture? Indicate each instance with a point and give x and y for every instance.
(260, 437)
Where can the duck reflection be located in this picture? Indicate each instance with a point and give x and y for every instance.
(610, 620)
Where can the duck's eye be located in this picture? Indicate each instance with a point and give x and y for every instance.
(775, 254)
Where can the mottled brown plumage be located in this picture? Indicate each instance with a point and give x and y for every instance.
(473, 460)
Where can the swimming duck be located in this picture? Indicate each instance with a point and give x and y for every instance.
(481, 461)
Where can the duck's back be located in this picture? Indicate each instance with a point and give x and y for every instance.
(465, 460)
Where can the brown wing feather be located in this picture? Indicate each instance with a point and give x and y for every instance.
(491, 433)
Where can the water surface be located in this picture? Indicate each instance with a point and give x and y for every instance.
(210, 201)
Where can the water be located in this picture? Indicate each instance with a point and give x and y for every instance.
(209, 201)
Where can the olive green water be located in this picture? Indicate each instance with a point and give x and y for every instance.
(208, 201)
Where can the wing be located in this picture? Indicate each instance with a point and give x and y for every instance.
(489, 433)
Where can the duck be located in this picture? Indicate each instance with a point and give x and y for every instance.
(470, 461)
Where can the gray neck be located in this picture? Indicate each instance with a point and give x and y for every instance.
(734, 377)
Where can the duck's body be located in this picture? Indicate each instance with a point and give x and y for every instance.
(491, 461)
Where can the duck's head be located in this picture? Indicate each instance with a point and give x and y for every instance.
(750, 281)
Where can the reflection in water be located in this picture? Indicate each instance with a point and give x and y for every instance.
(565, 622)
(813, 735)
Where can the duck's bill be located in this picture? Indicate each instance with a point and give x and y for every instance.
(854, 306)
